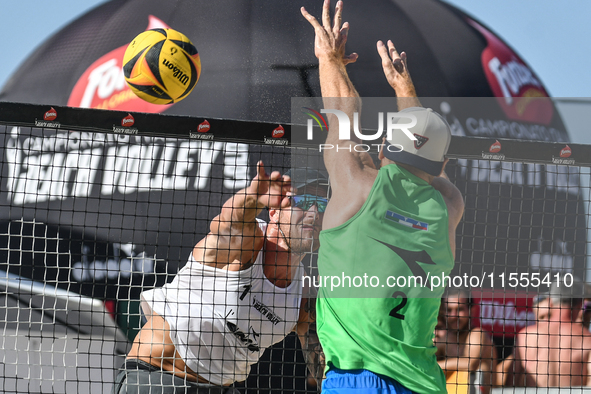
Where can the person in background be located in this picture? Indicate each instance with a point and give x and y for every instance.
(541, 307)
(585, 316)
(557, 352)
(469, 357)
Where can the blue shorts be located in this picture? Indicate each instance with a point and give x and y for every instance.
(340, 381)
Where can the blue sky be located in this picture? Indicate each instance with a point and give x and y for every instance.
(554, 38)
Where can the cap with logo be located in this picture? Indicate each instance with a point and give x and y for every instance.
(428, 151)
(301, 177)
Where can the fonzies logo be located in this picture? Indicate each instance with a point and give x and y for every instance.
(278, 132)
(494, 152)
(203, 127)
(48, 118)
(50, 115)
(202, 130)
(565, 152)
(276, 135)
(523, 97)
(126, 124)
(407, 122)
(103, 86)
(128, 121)
(495, 148)
(564, 159)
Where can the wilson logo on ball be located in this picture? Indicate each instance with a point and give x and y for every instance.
(128, 121)
(278, 132)
(176, 72)
(204, 127)
(161, 66)
(50, 115)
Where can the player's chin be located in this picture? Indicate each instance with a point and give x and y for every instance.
(306, 245)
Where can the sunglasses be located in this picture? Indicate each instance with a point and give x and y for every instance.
(306, 201)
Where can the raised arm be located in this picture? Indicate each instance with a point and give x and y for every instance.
(396, 71)
(343, 163)
(235, 236)
(454, 202)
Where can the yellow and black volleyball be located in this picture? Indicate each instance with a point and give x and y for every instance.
(161, 66)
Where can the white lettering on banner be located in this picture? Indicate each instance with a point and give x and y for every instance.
(493, 312)
(234, 172)
(512, 76)
(550, 176)
(560, 260)
(69, 165)
(103, 80)
(507, 129)
(113, 269)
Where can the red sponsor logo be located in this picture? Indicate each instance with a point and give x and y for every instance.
(103, 86)
(203, 127)
(520, 93)
(502, 315)
(494, 148)
(278, 132)
(566, 152)
(128, 121)
(50, 115)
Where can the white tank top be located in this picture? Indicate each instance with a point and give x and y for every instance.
(222, 321)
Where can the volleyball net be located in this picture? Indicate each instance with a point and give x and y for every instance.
(98, 206)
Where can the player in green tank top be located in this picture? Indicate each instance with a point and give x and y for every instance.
(395, 222)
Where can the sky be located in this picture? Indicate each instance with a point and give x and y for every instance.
(554, 38)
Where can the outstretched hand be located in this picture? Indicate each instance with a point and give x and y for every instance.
(330, 41)
(272, 190)
(396, 69)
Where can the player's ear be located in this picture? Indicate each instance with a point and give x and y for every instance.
(442, 174)
(274, 215)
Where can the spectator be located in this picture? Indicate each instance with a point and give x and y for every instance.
(469, 357)
(585, 316)
(555, 353)
(541, 307)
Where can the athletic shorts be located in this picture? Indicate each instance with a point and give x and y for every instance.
(140, 377)
(340, 381)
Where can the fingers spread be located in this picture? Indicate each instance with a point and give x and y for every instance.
(398, 65)
(310, 19)
(403, 57)
(393, 53)
(338, 17)
(276, 176)
(261, 170)
(326, 15)
(352, 58)
(383, 53)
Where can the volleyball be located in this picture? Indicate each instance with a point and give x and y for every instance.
(161, 66)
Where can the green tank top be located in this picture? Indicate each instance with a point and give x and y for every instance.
(385, 325)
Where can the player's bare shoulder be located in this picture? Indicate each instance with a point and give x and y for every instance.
(453, 198)
(348, 197)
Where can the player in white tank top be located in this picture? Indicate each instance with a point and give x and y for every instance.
(240, 314)
(241, 290)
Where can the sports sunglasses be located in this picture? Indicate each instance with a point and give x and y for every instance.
(305, 202)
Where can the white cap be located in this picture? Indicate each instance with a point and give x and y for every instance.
(433, 136)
